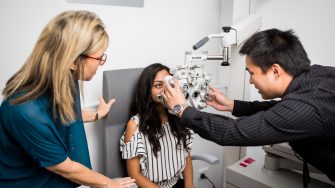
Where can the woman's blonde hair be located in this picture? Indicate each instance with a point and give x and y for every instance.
(47, 71)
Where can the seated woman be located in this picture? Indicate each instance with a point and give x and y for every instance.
(156, 147)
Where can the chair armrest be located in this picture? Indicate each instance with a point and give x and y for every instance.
(205, 157)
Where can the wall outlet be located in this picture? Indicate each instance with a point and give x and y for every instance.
(200, 171)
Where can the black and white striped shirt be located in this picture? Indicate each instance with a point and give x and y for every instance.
(166, 168)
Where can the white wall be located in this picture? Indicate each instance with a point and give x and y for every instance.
(160, 31)
(312, 20)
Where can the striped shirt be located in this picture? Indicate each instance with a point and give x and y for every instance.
(166, 168)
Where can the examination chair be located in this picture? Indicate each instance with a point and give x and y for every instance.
(120, 84)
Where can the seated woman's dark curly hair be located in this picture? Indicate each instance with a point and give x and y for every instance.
(150, 123)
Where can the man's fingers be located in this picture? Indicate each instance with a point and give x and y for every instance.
(168, 87)
(172, 90)
(165, 95)
(209, 103)
(212, 88)
(176, 84)
(210, 97)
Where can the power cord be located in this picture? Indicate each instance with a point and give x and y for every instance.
(203, 176)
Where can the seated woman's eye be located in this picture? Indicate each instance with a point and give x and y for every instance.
(158, 86)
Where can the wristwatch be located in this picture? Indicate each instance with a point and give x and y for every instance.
(178, 108)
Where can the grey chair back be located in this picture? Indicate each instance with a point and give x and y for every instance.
(118, 84)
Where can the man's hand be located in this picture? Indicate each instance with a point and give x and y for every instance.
(104, 107)
(172, 96)
(219, 101)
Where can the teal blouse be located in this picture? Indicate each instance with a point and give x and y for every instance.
(31, 140)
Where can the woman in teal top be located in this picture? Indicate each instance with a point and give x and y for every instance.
(42, 138)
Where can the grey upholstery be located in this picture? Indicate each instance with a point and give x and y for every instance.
(118, 84)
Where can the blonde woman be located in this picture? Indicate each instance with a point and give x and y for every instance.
(42, 138)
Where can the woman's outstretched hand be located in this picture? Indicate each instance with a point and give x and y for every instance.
(104, 107)
(121, 183)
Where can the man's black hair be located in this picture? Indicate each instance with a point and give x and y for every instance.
(274, 46)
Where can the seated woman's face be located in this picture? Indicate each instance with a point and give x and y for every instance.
(157, 86)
